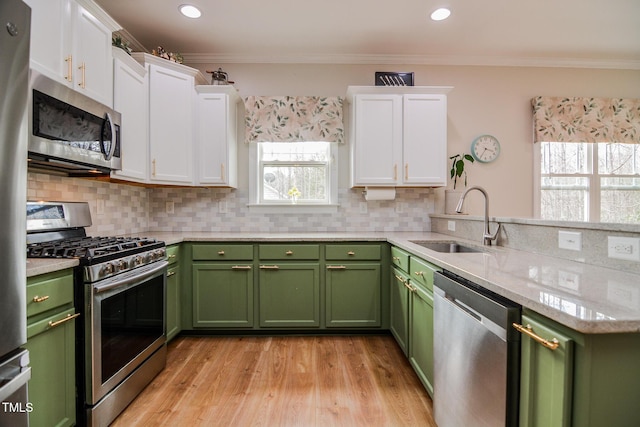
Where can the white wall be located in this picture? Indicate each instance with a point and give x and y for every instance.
(493, 100)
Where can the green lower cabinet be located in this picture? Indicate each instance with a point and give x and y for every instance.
(399, 310)
(52, 353)
(421, 335)
(290, 295)
(546, 377)
(173, 302)
(222, 295)
(353, 295)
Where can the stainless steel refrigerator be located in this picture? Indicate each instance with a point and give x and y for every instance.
(15, 18)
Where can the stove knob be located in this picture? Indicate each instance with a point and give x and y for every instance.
(106, 269)
(147, 257)
(137, 260)
(122, 265)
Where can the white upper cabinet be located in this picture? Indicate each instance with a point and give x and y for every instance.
(131, 99)
(398, 136)
(216, 141)
(71, 43)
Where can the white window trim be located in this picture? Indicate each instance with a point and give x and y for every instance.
(255, 205)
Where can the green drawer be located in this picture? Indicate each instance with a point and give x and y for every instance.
(54, 321)
(422, 272)
(173, 254)
(49, 291)
(289, 252)
(353, 252)
(222, 252)
(400, 258)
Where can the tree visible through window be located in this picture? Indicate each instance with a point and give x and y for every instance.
(590, 182)
(292, 172)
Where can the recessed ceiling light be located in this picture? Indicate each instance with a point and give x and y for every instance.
(190, 11)
(440, 14)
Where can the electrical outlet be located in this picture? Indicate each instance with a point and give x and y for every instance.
(571, 240)
(626, 248)
(169, 207)
(451, 225)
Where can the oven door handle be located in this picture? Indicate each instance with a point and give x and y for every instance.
(128, 279)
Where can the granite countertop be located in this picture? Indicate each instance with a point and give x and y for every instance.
(586, 298)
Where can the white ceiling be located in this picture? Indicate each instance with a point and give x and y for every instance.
(598, 33)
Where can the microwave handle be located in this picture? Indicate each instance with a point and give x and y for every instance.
(107, 119)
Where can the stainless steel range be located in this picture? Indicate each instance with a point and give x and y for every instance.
(120, 292)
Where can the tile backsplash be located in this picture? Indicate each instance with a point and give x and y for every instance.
(118, 209)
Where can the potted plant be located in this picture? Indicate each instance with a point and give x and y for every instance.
(458, 171)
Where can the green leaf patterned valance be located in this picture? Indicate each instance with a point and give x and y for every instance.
(557, 119)
(294, 119)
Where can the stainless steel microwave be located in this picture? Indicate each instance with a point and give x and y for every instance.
(70, 132)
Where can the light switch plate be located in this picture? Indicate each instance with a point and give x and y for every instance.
(571, 240)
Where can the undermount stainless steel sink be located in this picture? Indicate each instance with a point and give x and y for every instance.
(447, 247)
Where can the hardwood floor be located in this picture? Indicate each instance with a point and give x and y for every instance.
(283, 381)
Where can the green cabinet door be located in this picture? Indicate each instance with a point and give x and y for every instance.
(353, 295)
(173, 302)
(546, 378)
(290, 295)
(52, 357)
(222, 295)
(399, 310)
(421, 335)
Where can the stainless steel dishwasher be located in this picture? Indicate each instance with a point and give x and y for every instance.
(476, 355)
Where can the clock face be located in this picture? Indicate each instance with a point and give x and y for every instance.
(485, 148)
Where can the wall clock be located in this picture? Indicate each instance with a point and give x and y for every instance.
(485, 148)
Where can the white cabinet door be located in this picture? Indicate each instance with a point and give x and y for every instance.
(130, 99)
(377, 147)
(93, 61)
(424, 148)
(71, 46)
(216, 140)
(51, 38)
(171, 99)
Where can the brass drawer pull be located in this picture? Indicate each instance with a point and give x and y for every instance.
(40, 299)
(171, 273)
(401, 279)
(336, 267)
(69, 61)
(63, 320)
(396, 258)
(241, 267)
(288, 253)
(220, 253)
(351, 253)
(269, 267)
(171, 256)
(419, 273)
(528, 331)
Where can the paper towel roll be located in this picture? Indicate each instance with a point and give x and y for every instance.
(379, 193)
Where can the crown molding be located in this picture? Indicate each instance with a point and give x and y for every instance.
(500, 61)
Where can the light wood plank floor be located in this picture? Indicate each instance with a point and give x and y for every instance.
(283, 381)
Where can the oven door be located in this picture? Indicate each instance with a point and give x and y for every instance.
(125, 325)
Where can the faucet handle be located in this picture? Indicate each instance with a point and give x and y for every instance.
(488, 237)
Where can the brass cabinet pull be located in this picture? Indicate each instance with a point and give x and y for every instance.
(63, 320)
(395, 172)
(401, 279)
(336, 267)
(69, 61)
(241, 267)
(222, 171)
(351, 253)
(171, 273)
(171, 256)
(83, 68)
(406, 172)
(288, 253)
(419, 273)
(269, 267)
(153, 167)
(40, 299)
(395, 258)
(528, 331)
(220, 253)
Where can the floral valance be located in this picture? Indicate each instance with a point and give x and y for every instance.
(294, 119)
(558, 119)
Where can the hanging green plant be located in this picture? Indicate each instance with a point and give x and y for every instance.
(458, 168)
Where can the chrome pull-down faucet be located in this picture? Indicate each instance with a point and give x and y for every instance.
(487, 237)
